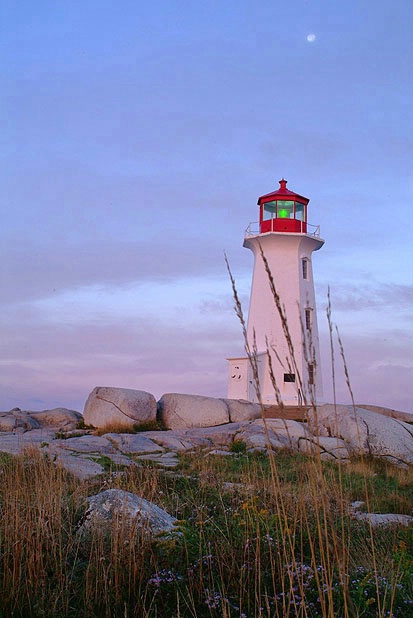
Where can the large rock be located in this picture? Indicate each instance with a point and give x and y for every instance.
(59, 418)
(366, 432)
(17, 420)
(241, 410)
(407, 417)
(23, 420)
(121, 407)
(178, 411)
(8, 422)
(272, 433)
(329, 449)
(116, 504)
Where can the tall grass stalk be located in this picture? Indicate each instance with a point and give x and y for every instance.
(329, 547)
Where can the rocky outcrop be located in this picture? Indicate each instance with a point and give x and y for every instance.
(179, 411)
(365, 432)
(24, 420)
(125, 407)
(58, 418)
(203, 423)
(126, 509)
(17, 419)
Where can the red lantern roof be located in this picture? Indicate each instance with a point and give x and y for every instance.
(283, 193)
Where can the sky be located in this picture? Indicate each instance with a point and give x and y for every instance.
(136, 139)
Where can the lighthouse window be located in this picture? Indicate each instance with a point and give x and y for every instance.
(304, 263)
(289, 377)
(299, 211)
(269, 211)
(308, 319)
(285, 209)
(311, 374)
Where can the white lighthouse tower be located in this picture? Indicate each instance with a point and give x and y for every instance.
(287, 241)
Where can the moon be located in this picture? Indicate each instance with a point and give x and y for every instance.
(311, 38)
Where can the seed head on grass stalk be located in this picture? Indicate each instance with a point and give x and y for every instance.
(287, 530)
(251, 354)
(367, 496)
(332, 358)
(378, 599)
(329, 541)
(344, 562)
(252, 357)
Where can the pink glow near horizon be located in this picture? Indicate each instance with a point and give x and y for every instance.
(135, 146)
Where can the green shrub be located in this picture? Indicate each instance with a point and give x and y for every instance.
(238, 446)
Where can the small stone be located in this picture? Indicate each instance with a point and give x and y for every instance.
(384, 519)
(357, 505)
(220, 452)
(166, 460)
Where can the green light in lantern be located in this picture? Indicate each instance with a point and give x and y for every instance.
(283, 213)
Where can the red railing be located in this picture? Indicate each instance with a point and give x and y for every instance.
(294, 226)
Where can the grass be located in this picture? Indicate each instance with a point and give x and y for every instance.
(122, 428)
(249, 546)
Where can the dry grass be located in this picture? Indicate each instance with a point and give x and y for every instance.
(280, 540)
(127, 428)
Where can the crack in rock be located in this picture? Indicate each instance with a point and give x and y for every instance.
(115, 406)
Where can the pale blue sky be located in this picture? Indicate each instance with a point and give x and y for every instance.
(136, 139)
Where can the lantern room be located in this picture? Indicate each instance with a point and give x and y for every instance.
(283, 211)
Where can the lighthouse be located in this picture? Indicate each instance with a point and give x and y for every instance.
(282, 334)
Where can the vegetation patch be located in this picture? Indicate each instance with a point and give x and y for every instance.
(239, 446)
(268, 536)
(135, 428)
(82, 425)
